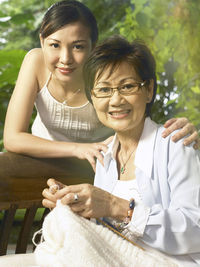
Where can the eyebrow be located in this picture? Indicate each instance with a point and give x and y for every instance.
(74, 42)
(121, 81)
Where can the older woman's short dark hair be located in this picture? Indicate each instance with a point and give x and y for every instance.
(112, 52)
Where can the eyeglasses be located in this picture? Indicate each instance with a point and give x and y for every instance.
(124, 89)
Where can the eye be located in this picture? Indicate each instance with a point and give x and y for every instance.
(129, 86)
(78, 47)
(54, 45)
(102, 90)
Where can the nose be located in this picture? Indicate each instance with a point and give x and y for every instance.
(66, 57)
(116, 99)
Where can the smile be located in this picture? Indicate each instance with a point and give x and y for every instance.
(66, 70)
(119, 114)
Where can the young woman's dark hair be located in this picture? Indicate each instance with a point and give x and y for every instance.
(65, 12)
(112, 52)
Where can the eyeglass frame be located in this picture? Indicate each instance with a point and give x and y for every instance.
(117, 88)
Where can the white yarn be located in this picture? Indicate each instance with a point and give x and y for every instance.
(71, 240)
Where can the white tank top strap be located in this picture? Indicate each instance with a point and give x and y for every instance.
(48, 79)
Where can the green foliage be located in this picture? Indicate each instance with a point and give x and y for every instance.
(9, 68)
(169, 27)
(108, 13)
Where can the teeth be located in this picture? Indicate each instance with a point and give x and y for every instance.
(118, 113)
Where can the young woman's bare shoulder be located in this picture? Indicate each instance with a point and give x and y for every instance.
(35, 56)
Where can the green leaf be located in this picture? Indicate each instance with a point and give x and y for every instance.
(13, 57)
(21, 18)
(195, 89)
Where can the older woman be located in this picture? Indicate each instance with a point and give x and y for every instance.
(162, 177)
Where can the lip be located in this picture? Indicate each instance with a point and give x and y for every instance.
(66, 70)
(119, 114)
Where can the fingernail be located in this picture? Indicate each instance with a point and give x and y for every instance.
(54, 188)
(164, 135)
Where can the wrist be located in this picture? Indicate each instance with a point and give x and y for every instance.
(125, 219)
(74, 150)
(119, 208)
(122, 209)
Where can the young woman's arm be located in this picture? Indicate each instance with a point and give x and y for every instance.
(16, 136)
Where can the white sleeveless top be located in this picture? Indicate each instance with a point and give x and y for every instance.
(57, 121)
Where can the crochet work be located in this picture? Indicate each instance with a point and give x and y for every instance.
(71, 240)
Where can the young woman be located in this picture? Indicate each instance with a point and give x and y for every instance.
(51, 79)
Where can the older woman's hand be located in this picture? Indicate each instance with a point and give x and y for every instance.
(92, 202)
(49, 194)
(185, 127)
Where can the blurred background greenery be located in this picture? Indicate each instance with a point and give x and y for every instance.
(171, 28)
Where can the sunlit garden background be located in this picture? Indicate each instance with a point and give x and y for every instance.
(171, 28)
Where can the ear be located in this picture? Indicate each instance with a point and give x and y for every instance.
(150, 91)
(41, 41)
(92, 98)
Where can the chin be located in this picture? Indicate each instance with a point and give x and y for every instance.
(117, 127)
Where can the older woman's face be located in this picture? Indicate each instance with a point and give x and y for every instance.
(119, 112)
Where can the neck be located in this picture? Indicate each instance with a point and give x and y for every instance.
(130, 139)
(69, 86)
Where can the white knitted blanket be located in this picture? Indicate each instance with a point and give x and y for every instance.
(71, 240)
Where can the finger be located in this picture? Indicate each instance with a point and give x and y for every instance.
(69, 189)
(169, 122)
(193, 137)
(189, 128)
(48, 204)
(54, 188)
(79, 188)
(52, 182)
(180, 122)
(69, 199)
(92, 161)
(62, 192)
(177, 125)
(100, 158)
(196, 146)
(48, 195)
(108, 140)
(101, 147)
(174, 124)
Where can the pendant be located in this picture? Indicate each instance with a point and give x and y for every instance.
(122, 170)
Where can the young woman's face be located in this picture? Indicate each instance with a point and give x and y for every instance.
(119, 112)
(66, 50)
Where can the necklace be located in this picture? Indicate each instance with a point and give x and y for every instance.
(123, 168)
(76, 92)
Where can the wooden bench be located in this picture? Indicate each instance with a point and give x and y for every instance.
(22, 180)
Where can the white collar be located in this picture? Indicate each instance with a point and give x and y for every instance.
(111, 152)
(144, 152)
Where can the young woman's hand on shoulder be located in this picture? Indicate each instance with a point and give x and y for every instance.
(185, 127)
